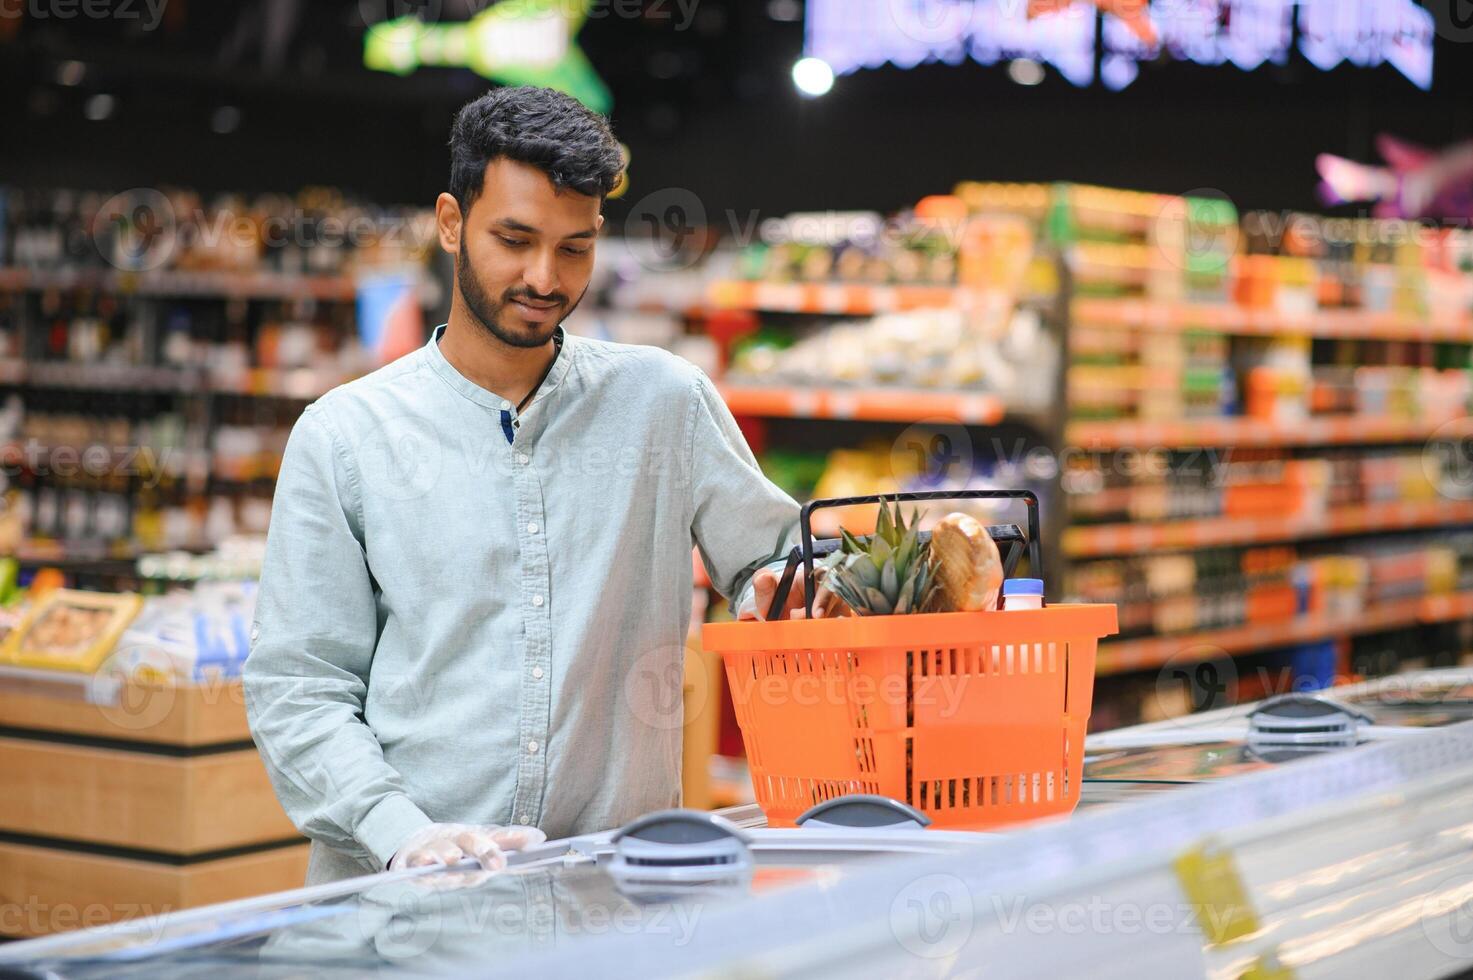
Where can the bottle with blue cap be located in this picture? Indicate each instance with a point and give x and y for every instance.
(1022, 593)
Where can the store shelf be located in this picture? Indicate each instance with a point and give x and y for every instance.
(300, 384)
(863, 404)
(228, 285)
(838, 299)
(1152, 652)
(1225, 318)
(1241, 432)
(1125, 539)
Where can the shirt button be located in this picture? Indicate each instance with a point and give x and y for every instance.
(537, 600)
(532, 747)
(522, 458)
(525, 818)
(537, 673)
(505, 405)
(532, 528)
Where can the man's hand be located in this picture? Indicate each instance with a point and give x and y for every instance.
(450, 843)
(764, 585)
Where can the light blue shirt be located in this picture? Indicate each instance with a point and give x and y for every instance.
(454, 628)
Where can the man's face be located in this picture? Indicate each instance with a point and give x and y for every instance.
(525, 253)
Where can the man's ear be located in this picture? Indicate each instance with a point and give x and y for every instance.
(449, 223)
(599, 224)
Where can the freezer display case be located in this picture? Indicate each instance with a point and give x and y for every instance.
(1361, 803)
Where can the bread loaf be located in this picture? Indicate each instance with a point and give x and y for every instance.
(968, 566)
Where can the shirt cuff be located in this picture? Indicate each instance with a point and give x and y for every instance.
(388, 825)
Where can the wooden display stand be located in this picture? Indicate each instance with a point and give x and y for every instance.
(120, 800)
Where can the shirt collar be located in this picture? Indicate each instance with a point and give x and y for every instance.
(562, 359)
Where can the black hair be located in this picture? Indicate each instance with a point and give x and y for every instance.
(541, 127)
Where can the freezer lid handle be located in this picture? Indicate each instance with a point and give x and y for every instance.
(864, 810)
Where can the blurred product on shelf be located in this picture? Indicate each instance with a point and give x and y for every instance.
(235, 559)
(1178, 594)
(69, 630)
(198, 635)
(928, 349)
(318, 232)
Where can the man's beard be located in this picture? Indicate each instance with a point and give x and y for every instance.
(489, 313)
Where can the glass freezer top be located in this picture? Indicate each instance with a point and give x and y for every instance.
(429, 923)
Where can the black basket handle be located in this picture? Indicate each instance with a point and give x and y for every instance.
(1006, 532)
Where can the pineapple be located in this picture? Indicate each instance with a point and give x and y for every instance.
(887, 573)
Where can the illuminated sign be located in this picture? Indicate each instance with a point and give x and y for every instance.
(855, 34)
(516, 42)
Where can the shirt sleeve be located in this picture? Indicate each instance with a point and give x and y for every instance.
(312, 642)
(740, 521)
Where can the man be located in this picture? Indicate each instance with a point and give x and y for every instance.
(480, 555)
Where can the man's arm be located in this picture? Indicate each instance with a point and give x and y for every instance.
(313, 639)
(741, 521)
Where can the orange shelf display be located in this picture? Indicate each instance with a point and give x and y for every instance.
(1152, 652)
(184, 283)
(837, 299)
(1347, 324)
(863, 404)
(1123, 539)
(1322, 431)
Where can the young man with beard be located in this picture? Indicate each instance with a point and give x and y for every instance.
(479, 555)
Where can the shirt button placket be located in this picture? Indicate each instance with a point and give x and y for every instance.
(536, 696)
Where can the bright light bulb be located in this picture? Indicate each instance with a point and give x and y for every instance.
(813, 76)
(1026, 71)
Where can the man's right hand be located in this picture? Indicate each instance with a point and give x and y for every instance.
(450, 843)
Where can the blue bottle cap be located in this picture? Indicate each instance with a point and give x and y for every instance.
(1022, 586)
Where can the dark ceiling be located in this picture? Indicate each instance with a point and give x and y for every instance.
(710, 109)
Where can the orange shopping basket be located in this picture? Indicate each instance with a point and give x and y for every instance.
(976, 719)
